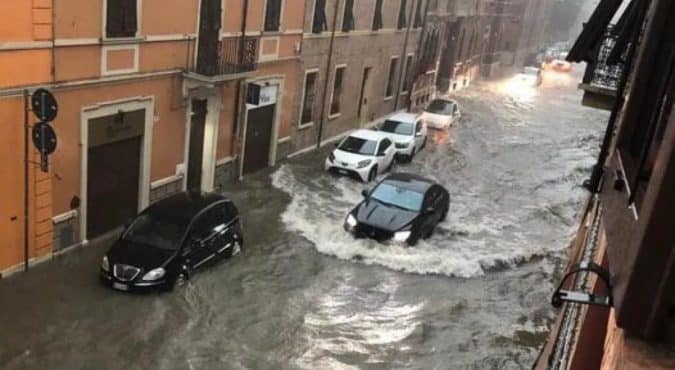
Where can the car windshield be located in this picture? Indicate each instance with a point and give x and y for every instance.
(439, 107)
(398, 197)
(160, 232)
(358, 146)
(396, 127)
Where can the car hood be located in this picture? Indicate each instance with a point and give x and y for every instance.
(350, 158)
(384, 217)
(139, 255)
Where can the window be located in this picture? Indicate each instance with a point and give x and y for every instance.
(407, 76)
(307, 109)
(377, 17)
(272, 15)
(397, 127)
(121, 18)
(402, 17)
(357, 145)
(337, 91)
(398, 196)
(348, 18)
(418, 15)
(319, 21)
(384, 145)
(393, 66)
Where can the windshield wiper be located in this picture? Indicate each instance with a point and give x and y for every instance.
(390, 204)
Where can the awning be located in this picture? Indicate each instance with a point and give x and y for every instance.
(594, 31)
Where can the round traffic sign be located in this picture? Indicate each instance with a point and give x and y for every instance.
(44, 105)
(44, 138)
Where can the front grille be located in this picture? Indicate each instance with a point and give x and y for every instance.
(374, 233)
(351, 173)
(125, 272)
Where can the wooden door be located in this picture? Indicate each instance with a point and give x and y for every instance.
(196, 148)
(113, 174)
(209, 29)
(258, 138)
(364, 96)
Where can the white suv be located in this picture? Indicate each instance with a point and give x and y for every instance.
(363, 154)
(408, 133)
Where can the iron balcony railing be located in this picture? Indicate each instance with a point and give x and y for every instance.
(229, 56)
(599, 73)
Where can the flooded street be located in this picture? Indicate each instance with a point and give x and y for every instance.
(305, 295)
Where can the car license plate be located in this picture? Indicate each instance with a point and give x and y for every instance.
(119, 286)
(342, 172)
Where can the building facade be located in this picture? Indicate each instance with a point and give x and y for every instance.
(148, 106)
(617, 311)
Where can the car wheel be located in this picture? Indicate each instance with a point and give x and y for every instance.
(372, 174)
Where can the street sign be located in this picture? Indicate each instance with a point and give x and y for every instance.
(44, 105)
(44, 138)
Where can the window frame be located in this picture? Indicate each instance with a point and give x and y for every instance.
(281, 17)
(342, 67)
(389, 82)
(344, 13)
(104, 23)
(309, 71)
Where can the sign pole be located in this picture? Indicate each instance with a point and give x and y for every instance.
(25, 179)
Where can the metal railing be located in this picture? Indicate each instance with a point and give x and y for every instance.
(230, 56)
(599, 74)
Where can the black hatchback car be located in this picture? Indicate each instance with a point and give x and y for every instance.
(171, 239)
(401, 209)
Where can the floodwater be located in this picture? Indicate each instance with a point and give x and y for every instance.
(304, 295)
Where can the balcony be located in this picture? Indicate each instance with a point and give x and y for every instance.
(601, 81)
(226, 60)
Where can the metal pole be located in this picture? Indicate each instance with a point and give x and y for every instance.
(25, 179)
(328, 65)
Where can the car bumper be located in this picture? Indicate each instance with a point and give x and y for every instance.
(404, 152)
(357, 174)
(132, 286)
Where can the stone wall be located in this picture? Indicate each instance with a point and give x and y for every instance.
(165, 190)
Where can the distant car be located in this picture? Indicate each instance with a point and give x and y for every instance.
(530, 76)
(561, 65)
(407, 132)
(170, 240)
(362, 155)
(401, 209)
(441, 114)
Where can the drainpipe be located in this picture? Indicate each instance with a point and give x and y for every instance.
(328, 65)
(238, 94)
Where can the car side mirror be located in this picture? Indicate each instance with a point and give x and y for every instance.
(418, 134)
(365, 193)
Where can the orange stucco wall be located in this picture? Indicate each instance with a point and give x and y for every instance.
(120, 59)
(164, 17)
(288, 44)
(24, 67)
(225, 127)
(78, 18)
(88, 62)
(168, 131)
(159, 56)
(17, 19)
(293, 15)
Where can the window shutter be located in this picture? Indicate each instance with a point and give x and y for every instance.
(272, 15)
(377, 20)
(402, 17)
(319, 17)
(418, 14)
(113, 25)
(348, 22)
(130, 22)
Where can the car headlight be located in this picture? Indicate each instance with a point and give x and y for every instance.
(365, 163)
(155, 274)
(105, 265)
(350, 222)
(401, 236)
(331, 157)
(402, 145)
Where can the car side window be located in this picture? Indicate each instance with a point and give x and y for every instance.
(206, 224)
(384, 145)
(418, 127)
(454, 109)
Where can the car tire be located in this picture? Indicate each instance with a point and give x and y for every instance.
(372, 174)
